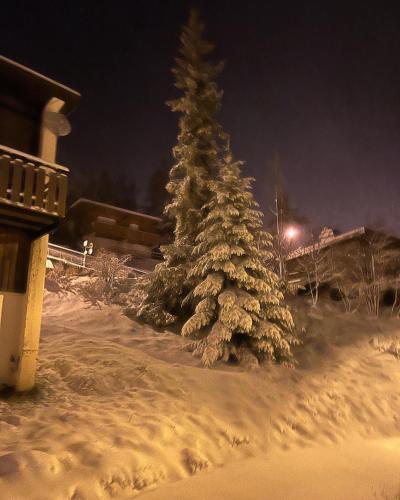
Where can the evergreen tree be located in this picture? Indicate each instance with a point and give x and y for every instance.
(157, 197)
(157, 194)
(196, 161)
(101, 186)
(125, 193)
(239, 310)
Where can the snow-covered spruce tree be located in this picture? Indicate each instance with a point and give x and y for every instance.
(196, 162)
(239, 311)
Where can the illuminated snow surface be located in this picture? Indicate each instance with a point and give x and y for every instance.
(122, 411)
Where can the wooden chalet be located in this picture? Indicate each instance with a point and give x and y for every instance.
(112, 228)
(339, 247)
(33, 189)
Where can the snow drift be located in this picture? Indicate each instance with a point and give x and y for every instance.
(120, 408)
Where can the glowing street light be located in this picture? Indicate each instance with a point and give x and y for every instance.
(291, 233)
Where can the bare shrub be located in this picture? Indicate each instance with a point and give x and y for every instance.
(61, 275)
(376, 266)
(343, 278)
(109, 271)
(110, 267)
(362, 276)
(395, 310)
(315, 265)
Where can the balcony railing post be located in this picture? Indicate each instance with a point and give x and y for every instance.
(4, 175)
(62, 194)
(40, 181)
(51, 192)
(16, 180)
(28, 189)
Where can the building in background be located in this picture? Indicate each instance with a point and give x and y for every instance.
(344, 250)
(113, 228)
(33, 191)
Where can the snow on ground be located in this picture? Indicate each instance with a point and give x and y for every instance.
(120, 409)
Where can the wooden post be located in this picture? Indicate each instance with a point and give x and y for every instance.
(30, 331)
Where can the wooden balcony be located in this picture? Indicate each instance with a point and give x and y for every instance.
(32, 192)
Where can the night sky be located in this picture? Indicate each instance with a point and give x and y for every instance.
(316, 82)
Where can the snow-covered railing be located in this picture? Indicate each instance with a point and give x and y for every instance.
(74, 258)
(65, 255)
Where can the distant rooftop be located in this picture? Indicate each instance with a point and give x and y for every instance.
(113, 208)
(360, 231)
(333, 240)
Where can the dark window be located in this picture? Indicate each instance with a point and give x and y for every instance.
(14, 259)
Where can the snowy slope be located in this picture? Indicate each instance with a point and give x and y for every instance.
(120, 408)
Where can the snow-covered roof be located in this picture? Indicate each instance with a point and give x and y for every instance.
(81, 201)
(360, 231)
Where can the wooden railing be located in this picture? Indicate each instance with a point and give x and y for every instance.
(29, 182)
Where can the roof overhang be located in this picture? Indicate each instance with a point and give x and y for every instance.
(33, 88)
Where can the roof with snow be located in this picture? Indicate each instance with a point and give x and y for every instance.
(111, 209)
(327, 242)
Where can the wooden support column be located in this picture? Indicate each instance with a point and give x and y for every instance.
(48, 139)
(30, 331)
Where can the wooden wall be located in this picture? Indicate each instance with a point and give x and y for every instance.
(19, 125)
(14, 259)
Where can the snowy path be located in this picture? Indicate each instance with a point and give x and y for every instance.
(355, 471)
